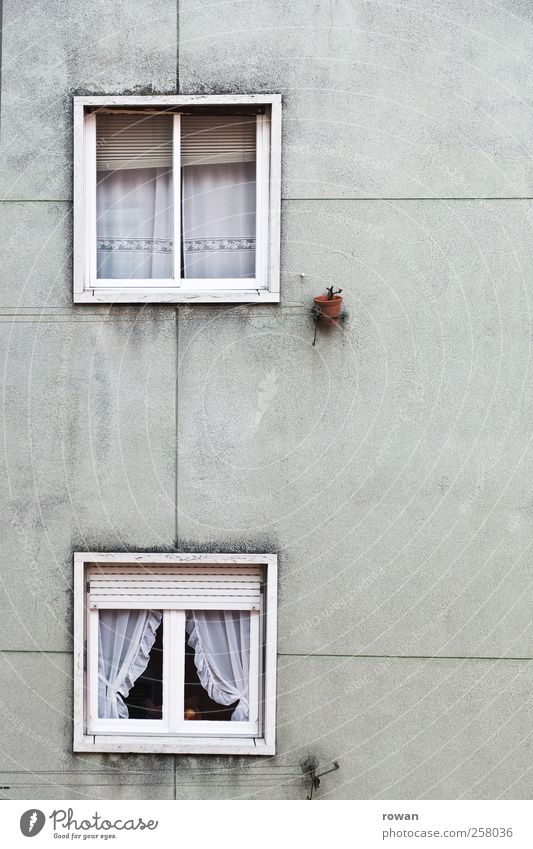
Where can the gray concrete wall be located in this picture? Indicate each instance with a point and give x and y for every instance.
(389, 466)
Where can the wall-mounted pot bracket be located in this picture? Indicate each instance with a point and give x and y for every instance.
(319, 318)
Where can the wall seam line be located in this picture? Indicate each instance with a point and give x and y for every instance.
(1, 51)
(401, 656)
(407, 199)
(339, 199)
(177, 45)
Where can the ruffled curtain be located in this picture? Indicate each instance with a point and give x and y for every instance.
(125, 639)
(221, 643)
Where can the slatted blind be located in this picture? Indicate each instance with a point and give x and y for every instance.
(187, 587)
(208, 140)
(133, 141)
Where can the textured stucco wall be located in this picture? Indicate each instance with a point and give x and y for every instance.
(389, 466)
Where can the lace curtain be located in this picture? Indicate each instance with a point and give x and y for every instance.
(134, 196)
(134, 203)
(134, 237)
(218, 204)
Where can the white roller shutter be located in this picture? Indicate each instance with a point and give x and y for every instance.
(145, 141)
(206, 140)
(175, 587)
(133, 141)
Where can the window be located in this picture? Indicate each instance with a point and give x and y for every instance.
(176, 199)
(174, 653)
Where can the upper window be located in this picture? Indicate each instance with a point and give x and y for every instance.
(175, 653)
(176, 199)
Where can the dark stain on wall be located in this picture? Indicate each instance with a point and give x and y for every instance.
(136, 91)
(84, 543)
(261, 544)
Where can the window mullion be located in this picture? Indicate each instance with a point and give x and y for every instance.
(255, 617)
(166, 668)
(92, 666)
(90, 177)
(176, 668)
(176, 195)
(262, 196)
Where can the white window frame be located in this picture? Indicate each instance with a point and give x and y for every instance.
(167, 735)
(265, 288)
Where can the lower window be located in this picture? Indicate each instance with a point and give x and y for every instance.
(175, 653)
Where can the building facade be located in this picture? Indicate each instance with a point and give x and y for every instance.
(388, 466)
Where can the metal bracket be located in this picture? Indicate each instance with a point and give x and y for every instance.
(316, 314)
(316, 776)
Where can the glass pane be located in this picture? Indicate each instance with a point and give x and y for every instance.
(217, 665)
(134, 204)
(218, 159)
(130, 664)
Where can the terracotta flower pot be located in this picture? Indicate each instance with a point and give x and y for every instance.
(328, 309)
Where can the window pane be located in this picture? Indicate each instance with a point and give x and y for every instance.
(217, 665)
(218, 169)
(134, 204)
(130, 664)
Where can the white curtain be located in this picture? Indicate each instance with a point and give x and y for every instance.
(125, 638)
(134, 228)
(221, 643)
(218, 218)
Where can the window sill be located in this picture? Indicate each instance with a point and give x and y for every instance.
(174, 746)
(174, 296)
